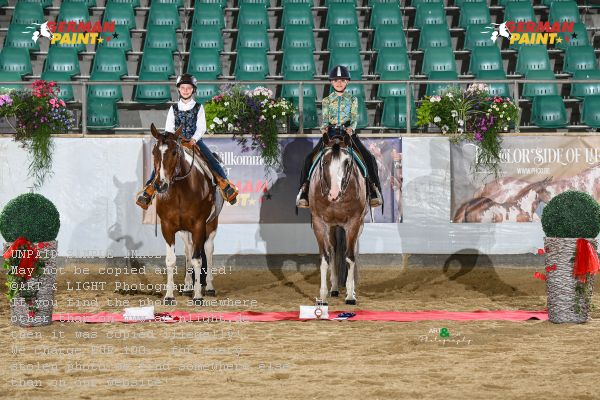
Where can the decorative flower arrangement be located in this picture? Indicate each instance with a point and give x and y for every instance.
(39, 114)
(473, 115)
(250, 112)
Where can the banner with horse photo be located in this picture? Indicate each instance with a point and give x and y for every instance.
(534, 170)
(270, 196)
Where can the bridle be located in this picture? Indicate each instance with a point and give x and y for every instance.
(347, 172)
(175, 177)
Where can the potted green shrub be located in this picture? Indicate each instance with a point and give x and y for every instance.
(571, 223)
(29, 224)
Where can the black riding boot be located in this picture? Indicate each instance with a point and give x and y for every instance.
(375, 199)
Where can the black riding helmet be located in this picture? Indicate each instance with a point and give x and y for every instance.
(187, 79)
(339, 72)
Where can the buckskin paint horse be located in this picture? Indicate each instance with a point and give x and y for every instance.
(338, 205)
(186, 203)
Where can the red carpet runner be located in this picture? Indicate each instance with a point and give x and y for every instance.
(361, 315)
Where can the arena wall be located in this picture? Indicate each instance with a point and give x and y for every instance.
(95, 181)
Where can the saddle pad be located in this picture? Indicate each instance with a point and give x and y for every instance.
(359, 161)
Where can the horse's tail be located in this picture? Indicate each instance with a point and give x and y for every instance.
(340, 256)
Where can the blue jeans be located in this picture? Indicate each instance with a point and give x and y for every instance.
(210, 158)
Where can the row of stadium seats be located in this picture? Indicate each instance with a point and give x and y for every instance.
(344, 43)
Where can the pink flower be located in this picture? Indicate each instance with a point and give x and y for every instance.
(62, 103)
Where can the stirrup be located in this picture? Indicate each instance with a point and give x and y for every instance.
(228, 191)
(144, 198)
(375, 199)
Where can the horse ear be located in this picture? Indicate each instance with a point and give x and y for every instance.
(154, 131)
(177, 133)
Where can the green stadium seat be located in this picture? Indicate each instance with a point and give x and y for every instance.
(477, 36)
(251, 65)
(158, 61)
(28, 13)
(204, 64)
(299, 63)
(341, 14)
(580, 58)
(110, 61)
(44, 3)
(297, 14)
(121, 14)
(76, 12)
(389, 36)
(62, 91)
(264, 3)
(6, 76)
(531, 90)
(122, 41)
(485, 59)
(438, 59)
(392, 89)
(178, 3)
(206, 92)
(591, 111)
(161, 37)
(549, 112)
(532, 58)
(209, 16)
(134, 3)
(348, 57)
(417, 3)
(581, 37)
(88, 3)
(343, 36)
(164, 14)
(285, 3)
(460, 3)
(474, 13)
(503, 3)
(496, 89)
(298, 36)
(430, 14)
(582, 90)
(17, 60)
(386, 14)
(220, 3)
(292, 91)
(394, 113)
(519, 11)
(438, 88)
(153, 93)
(328, 3)
(62, 60)
(253, 14)
(253, 36)
(309, 107)
(390, 59)
(548, 3)
(19, 36)
(102, 115)
(105, 90)
(363, 114)
(207, 39)
(434, 36)
(564, 11)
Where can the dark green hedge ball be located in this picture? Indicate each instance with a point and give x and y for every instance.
(571, 214)
(32, 216)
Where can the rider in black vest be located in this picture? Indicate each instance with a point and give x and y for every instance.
(340, 110)
(190, 115)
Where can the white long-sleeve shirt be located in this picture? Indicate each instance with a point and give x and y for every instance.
(200, 121)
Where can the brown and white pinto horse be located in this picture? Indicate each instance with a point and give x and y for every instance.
(338, 205)
(186, 203)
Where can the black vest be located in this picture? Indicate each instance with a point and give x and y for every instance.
(187, 119)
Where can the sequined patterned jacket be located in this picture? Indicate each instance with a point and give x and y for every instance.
(337, 110)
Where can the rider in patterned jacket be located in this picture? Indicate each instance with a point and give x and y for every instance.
(191, 115)
(339, 109)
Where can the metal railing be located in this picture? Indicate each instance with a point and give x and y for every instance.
(410, 86)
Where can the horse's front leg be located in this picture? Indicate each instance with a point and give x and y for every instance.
(198, 239)
(325, 249)
(335, 291)
(170, 263)
(188, 286)
(352, 235)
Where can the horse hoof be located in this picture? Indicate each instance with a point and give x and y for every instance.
(197, 302)
(335, 293)
(351, 302)
(169, 301)
(187, 293)
(211, 293)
